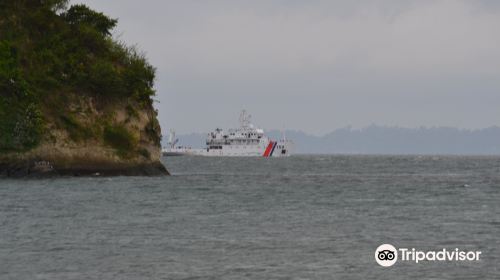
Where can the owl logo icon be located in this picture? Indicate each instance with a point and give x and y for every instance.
(386, 255)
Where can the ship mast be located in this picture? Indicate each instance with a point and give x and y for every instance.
(171, 139)
(245, 119)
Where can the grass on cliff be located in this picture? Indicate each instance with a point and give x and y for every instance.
(76, 131)
(48, 50)
(118, 137)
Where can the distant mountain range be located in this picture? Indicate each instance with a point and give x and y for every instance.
(376, 139)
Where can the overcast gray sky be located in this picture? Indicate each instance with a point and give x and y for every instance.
(318, 65)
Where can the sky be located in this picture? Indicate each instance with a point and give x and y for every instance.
(317, 65)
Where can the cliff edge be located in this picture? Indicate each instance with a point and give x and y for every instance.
(73, 101)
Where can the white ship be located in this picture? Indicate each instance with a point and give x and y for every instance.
(246, 141)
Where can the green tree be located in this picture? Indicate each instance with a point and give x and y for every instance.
(82, 15)
(50, 55)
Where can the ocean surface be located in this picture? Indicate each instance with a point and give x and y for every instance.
(303, 217)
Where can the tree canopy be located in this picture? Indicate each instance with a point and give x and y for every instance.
(49, 49)
(82, 15)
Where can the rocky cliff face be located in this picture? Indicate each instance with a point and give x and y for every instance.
(72, 100)
(118, 140)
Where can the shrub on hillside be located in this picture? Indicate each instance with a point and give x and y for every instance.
(119, 138)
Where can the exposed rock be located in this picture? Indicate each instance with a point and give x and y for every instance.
(39, 169)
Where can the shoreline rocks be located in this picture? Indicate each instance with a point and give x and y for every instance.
(42, 169)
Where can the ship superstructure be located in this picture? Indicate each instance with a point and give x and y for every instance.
(246, 141)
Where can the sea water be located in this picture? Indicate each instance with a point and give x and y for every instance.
(303, 217)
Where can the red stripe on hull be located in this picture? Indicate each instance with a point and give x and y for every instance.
(268, 149)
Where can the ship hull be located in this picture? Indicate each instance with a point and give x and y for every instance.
(268, 149)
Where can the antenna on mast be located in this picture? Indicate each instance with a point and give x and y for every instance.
(283, 133)
(171, 139)
(245, 119)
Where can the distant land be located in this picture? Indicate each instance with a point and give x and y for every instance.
(376, 139)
